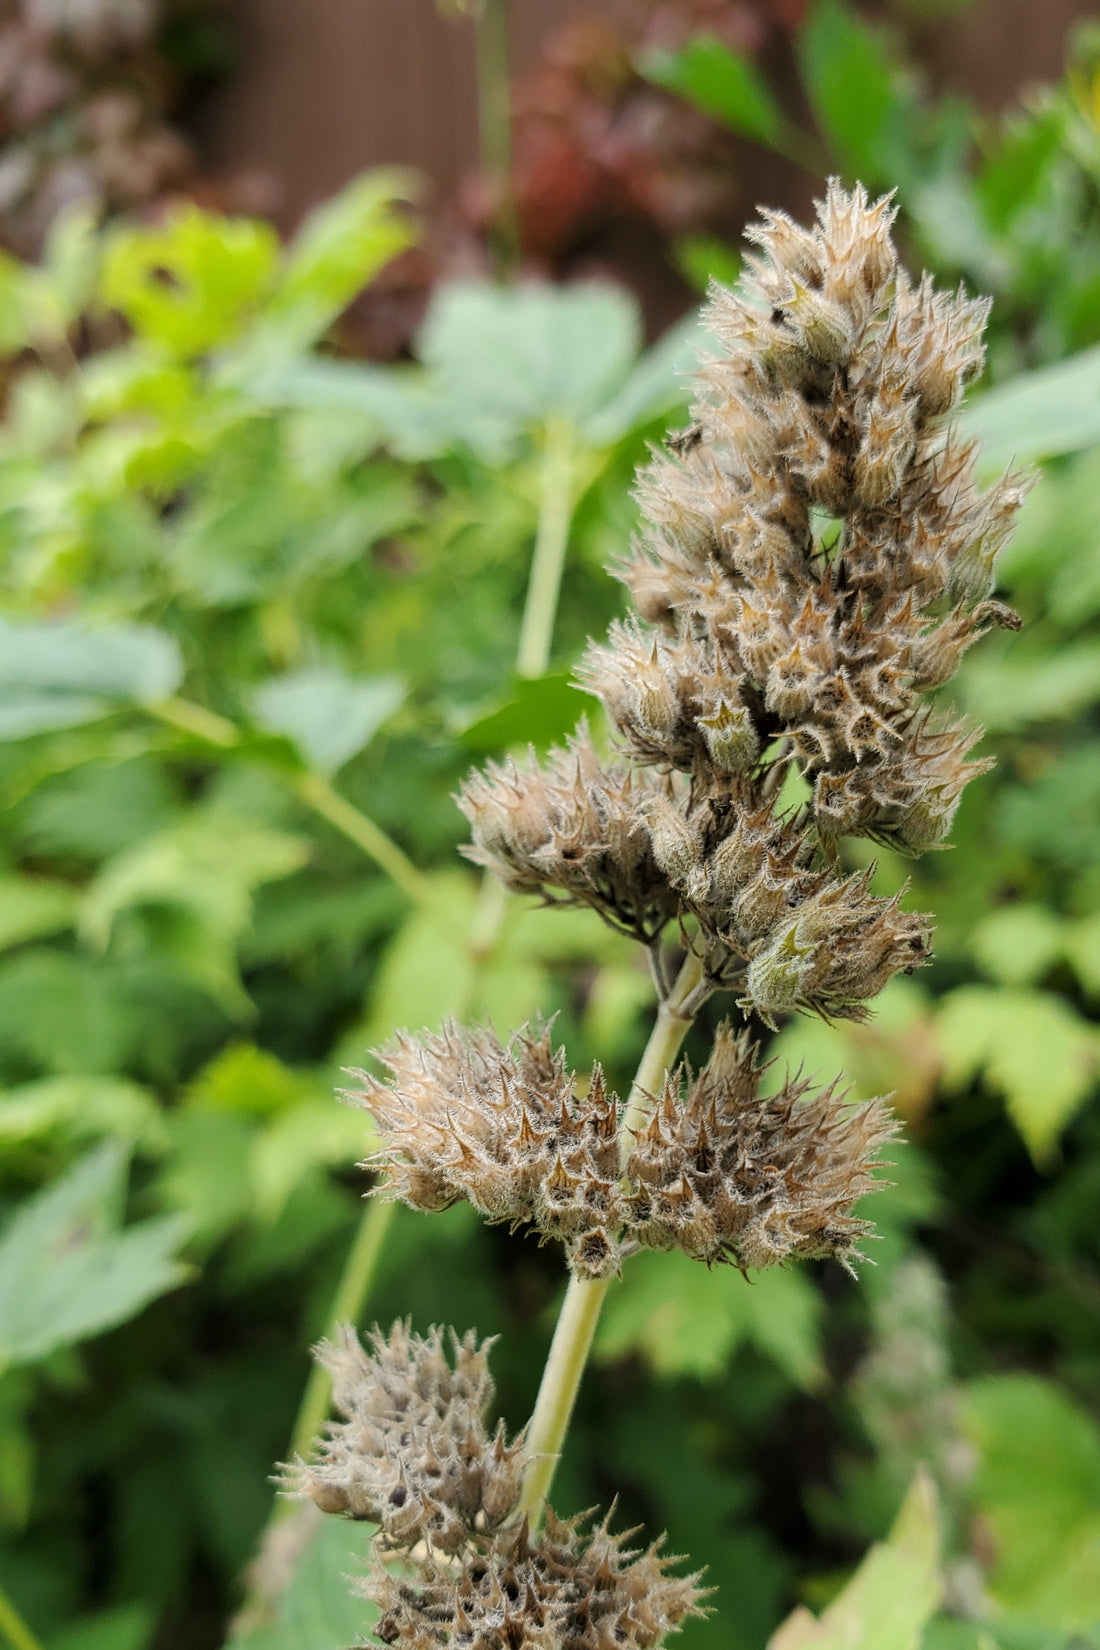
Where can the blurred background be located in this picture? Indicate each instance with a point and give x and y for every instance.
(330, 338)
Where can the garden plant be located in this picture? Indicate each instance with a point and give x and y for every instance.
(261, 608)
(817, 557)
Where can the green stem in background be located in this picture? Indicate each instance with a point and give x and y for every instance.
(561, 1378)
(494, 111)
(312, 788)
(14, 1628)
(557, 495)
(347, 1307)
(319, 794)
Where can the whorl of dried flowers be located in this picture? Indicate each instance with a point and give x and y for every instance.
(412, 1454)
(561, 1587)
(715, 1170)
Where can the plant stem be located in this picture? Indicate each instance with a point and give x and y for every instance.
(494, 108)
(561, 1378)
(314, 790)
(556, 498)
(196, 720)
(347, 1307)
(14, 1628)
(320, 795)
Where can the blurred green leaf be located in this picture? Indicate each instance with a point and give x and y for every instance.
(59, 675)
(892, 1596)
(67, 1271)
(329, 717)
(195, 882)
(1018, 943)
(33, 906)
(129, 1627)
(1030, 1046)
(1039, 414)
(311, 1588)
(506, 360)
(723, 85)
(851, 81)
(189, 285)
(539, 711)
(1038, 1488)
(82, 1108)
(687, 1320)
(339, 248)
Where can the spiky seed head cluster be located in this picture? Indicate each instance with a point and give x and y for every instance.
(719, 1172)
(729, 1176)
(816, 556)
(570, 833)
(414, 1456)
(564, 1586)
(461, 1116)
(412, 1453)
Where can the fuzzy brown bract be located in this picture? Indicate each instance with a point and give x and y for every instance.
(558, 1587)
(412, 1454)
(726, 1174)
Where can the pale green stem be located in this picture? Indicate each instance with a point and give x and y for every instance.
(347, 1307)
(196, 720)
(494, 105)
(561, 1378)
(556, 499)
(14, 1628)
(315, 791)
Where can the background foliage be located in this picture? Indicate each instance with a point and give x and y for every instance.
(261, 607)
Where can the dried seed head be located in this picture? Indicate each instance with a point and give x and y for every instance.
(573, 832)
(412, 1454)
(560, 1587)
(727, 1175)
(835, 952)
(463, 1117)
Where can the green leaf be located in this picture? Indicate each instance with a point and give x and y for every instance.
(1038, 414)
(892, 1596)
(850, 80)
(426, 972)
(506, 359)
(82, 1108)
(192, 884)
(686, 1320)
(1015, 686)
(130, 1627)
(339, 248)
(1030, 1046)
(60, 675)
(246, 1079)
(1038, 1490)
(722, 84)
(539, 710)
(314, 1607)
(1017, 944)
(33, 906)
(67, 1271)
(189, 285)
(329, 717)
(317, 1132)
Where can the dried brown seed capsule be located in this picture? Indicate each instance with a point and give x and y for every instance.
(412, 1453)
(559, 1587)
(461, 1116)
(726, 1174)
